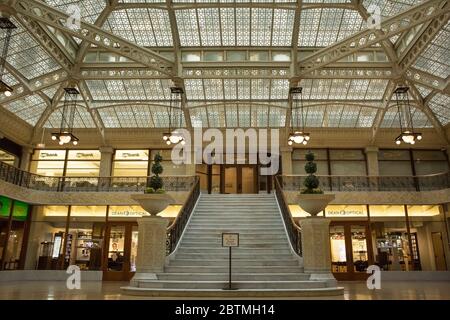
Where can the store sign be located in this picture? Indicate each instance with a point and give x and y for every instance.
(127, 213)
(345, 211)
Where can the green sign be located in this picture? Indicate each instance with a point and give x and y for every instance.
(20, 209)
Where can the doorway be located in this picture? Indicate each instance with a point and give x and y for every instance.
(439, 255)
(119, 262)
(350, 245)
(239, 179)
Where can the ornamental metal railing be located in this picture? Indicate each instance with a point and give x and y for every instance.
(370, 183)
(175, 230)
(293, 230)
(33, 181)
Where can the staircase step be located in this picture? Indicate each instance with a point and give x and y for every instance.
(236, 284)
(242, 244)
(184, 261)
(236, 251)
(238, 269)
(236, 276)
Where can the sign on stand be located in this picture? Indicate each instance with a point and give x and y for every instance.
(230, 240)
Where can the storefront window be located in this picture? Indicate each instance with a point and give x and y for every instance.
(394, 163)
(170, 169)
(348, 163)
(130, 163)
(430, 162)
(46, 239)
(8, 158)
(338, 249)
(83, 163)
(359, 248)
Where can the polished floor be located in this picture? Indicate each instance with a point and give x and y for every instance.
(49, 290)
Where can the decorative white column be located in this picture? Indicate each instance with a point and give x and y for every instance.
(372, 161)
(105, 161)
(286, 160)
(26, 158)
(316, 249)
(151, 251)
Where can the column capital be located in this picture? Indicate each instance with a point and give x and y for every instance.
(369, 149)
(106, 149)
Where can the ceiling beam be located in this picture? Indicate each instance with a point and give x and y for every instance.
(366, 38)
(425, 79)
(92, 111)
(380, 114)
(35, 10)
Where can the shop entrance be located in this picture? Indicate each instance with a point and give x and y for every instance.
(350, 243)
(119, 262)
(239, 179)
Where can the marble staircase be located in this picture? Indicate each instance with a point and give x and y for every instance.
(263, 265)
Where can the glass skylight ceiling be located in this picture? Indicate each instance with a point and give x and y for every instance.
(233, 115)
(26, 55)
(435, 59)
(391, 120)
(335, 116)
(440, 104)
(391, 7)
(242, 89)
(29, 108)
(324, 26)
(139, 116)
(82, 119)
(235, 27)
(90, 9)
(145, 27)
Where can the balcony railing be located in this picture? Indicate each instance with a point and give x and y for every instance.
(370, 183)
(33, 181)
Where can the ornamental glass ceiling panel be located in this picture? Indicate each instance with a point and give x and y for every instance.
(216, 116)
(90, 9)
(424, 91)
(29, 108)
(235, 27)
(26, 55)
(244, 116)
(343, 89)
(231, 113)
(366, 117)
(390, 8)
(145, 27)
(440, 105)
(198, 117)
(277, 117)
(314, 116)
(82, 119)
(50, 91)
(9, 79)
(435, 58)
(390, 120)
(325, 26)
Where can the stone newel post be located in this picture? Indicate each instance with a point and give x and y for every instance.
(316, 249)
(151, 252)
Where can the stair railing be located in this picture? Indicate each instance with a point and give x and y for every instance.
(175, 230)
(293, 230)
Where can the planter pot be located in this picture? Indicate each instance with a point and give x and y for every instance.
(153, 203)
(314, 203)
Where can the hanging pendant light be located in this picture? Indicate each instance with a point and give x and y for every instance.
(173, 136)
(7, 25)
(297, 134)
(407, 133)
(65, 134)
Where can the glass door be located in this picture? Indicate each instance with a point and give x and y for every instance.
(248, 180)
(231, 180)
(350, 256)
(121, 250)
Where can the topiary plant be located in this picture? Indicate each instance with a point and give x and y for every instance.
(156, 182)
(311, 182)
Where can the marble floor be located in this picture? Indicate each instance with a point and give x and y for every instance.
(53, 290)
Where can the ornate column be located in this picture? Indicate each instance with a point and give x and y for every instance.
(286, 159)
(105, 161)
(26, 158)
(372, 160)
(151, 252)
(316, 249)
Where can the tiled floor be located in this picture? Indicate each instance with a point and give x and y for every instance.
(39, 290)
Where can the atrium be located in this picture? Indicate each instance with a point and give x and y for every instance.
(141, 140)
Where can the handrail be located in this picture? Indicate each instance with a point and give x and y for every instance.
(438, 181)
(33, 181)
(293, 230)
(175, 230)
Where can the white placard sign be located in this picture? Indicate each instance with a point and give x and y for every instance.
(230, 239)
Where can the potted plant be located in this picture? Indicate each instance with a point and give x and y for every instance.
(155, 199)
(311, 198)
